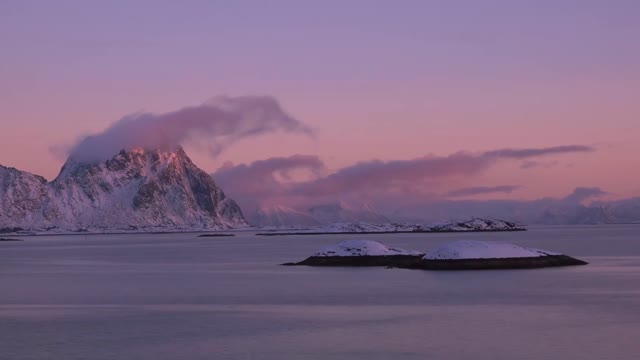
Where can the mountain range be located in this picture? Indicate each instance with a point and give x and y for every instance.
(549, 211)
(163, 190)
(546, 211)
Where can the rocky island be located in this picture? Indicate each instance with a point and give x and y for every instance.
(476, 255)
(458, 255)
(361, 253)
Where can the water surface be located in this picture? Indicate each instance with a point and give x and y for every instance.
(177, 296)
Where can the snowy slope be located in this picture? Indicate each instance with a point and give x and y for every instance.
(468, 249)
(22, 195)
(136, 190)
(281, 216)
(361, 248)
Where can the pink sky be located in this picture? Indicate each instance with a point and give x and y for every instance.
(379, 80)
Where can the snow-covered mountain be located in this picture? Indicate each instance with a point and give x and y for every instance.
(134, 190)
(286, 217)
(22, 197)
(281, 216)
(609, 213)
(547, 211)
(623, 211)
(341, 212)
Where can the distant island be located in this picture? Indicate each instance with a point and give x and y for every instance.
(473, 225)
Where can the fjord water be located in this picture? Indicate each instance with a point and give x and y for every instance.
(178, 296)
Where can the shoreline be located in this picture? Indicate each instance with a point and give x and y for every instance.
(383, 232)
(417, 262)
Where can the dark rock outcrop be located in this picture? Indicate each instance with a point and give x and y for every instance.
(401, 261)
(497, 263)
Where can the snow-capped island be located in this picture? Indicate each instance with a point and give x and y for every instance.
(473, 225)
(458, 255)
(469, 255)
(361, 253)
(472, 249)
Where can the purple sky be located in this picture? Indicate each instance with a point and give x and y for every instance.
(385, 80)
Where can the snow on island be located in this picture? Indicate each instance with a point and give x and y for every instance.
(476, 224)
(361, 253)
(478, 255)
(473, 225)
(458, 255)
(362, 248)
(466, 249)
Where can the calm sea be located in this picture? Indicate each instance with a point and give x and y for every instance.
(177, 296)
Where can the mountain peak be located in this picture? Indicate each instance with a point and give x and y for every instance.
(135, 189)
(135, 158)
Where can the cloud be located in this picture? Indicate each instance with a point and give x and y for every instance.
(218, 122)
(530, 164)
(535, 152)
(263, 177)
(414, 175)
(396, 181)
(564, 210)
(260, 182)
(581, 194)
(397, 175)
(481, 190)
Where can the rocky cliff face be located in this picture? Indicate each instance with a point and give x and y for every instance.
(135, 190)
(22, 195)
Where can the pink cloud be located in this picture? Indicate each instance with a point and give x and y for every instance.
(536, 152)
(218, 123)
(379, 181)
(481, 190)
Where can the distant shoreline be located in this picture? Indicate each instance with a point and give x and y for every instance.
(275, 232)
(10, 239)
(213, 233)
(382, 232)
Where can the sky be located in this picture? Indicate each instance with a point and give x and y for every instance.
(392, 81)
